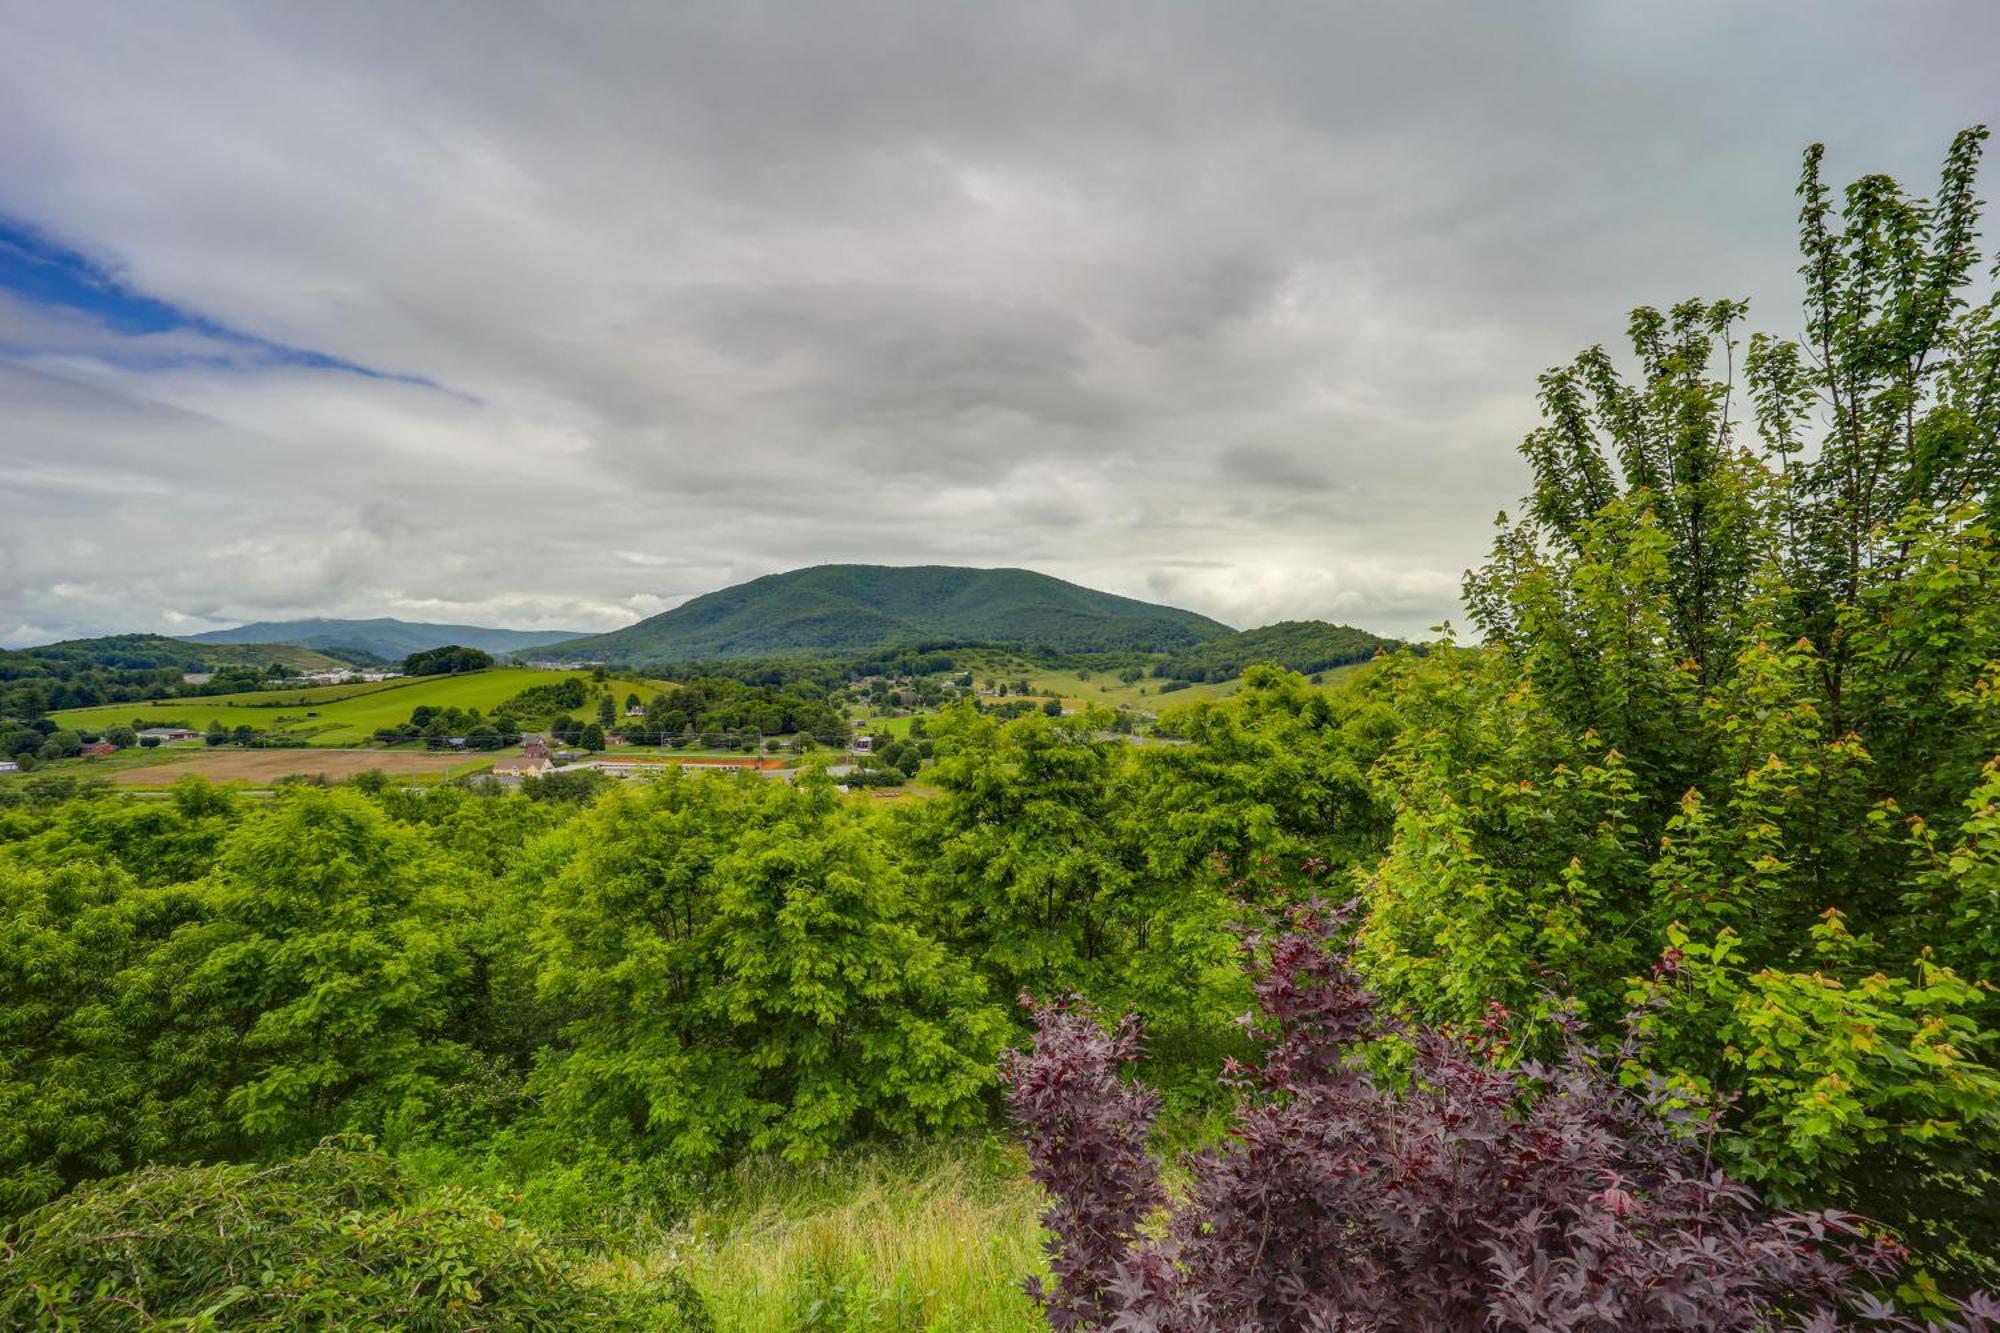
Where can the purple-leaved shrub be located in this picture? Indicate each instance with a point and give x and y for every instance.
(1441, 1188)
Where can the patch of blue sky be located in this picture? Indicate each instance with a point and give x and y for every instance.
(41, 271)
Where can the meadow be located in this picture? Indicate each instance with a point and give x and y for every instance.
(347, 715)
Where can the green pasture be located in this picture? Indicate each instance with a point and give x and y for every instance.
(348, 714)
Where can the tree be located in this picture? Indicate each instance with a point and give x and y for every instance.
(1740, 690)
(741, 973)
(1461, 1194)
(592, 737)
(606, 711)
(121, 735)
(316, 987)
(447, 660)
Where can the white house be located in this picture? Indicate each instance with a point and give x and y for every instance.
(169, 735)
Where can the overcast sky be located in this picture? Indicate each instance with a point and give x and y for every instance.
(556, 316)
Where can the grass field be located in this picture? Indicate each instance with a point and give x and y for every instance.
(262, 768)
(345, 715)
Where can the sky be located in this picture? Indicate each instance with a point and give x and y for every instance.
(555, 316)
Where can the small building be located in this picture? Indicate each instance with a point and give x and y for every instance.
(197, 677)
(863, 745)
(99, 749)
(9, 766)
(527, 766)
(170, 735)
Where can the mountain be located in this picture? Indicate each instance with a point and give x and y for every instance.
(829, 609)
(384, 638)
(1302, 645)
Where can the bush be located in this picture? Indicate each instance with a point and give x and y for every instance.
(1458, 1194)
(330, 1240)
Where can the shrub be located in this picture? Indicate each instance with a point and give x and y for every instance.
(1457, 1194)
(330, 1240)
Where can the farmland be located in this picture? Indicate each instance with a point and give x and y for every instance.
(263, 768)
(341, 715)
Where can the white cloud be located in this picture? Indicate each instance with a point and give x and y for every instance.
(1236, 308)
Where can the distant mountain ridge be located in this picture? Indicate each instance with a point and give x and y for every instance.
(830, 609)
(383, 637)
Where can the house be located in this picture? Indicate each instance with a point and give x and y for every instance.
(9, 766)
(527, 766)
(98, 749)
(197, 677)
(863, 745)
(170, 735)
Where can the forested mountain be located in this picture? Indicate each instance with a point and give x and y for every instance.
(1299, 645)
(850, 608)
(383, 637)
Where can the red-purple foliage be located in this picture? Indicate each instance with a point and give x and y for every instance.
(1461, 1196)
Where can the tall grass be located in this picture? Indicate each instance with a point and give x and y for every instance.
(922, 1239)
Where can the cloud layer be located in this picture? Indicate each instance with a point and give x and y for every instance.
(1238, 308)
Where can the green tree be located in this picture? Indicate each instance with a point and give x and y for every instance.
(742, 973)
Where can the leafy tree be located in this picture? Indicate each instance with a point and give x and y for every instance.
(121, 736)
(312, 995)
(447, 660)
(740, 971)
(1459, 1195)
(1742, 670)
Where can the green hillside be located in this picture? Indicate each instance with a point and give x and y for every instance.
(147, 651)
(1302, 645)
(383, 637)
(855, 608)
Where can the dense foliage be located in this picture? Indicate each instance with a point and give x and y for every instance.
(334, 1239)
(1449, 1192)
(447, 660)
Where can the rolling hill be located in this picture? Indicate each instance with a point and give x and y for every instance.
(383, 638)
(1302, 645)
(837, 609)
(138, 652)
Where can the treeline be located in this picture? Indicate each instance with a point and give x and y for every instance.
(718, 708)
(448, 660)
(1305, 646)
(127, 669)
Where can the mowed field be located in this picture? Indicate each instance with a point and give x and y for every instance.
(263, 768)
(346, 715)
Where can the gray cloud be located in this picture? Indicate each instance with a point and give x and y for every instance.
(1239, 308)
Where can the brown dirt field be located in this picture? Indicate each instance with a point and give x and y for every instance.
(267, 766)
